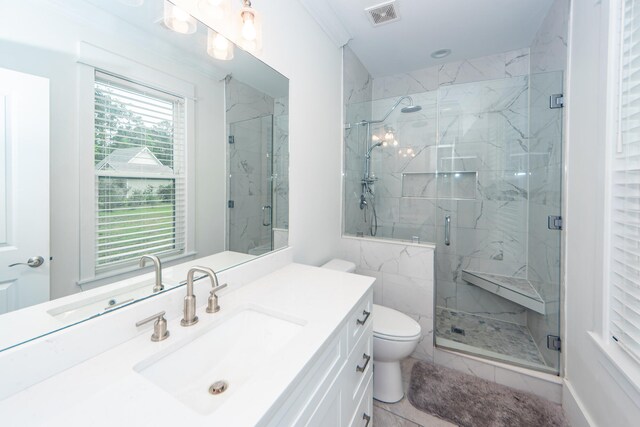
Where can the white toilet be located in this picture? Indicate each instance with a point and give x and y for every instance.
(395, 336)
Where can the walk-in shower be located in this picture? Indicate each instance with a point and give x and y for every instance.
(476, 172)
(367, 196)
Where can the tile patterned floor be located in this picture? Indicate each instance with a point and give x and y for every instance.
(403, 414)
(488, 334)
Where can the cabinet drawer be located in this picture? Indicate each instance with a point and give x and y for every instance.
(358, 370)
(359, 320)
(305, 397)
(362, 416)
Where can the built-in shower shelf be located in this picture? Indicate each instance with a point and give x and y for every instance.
(517, 290)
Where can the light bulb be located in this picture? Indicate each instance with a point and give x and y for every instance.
(248, 26)
(219, 46)
(388, 136)
(375, 138)
(178, 20)
(395, 143)
(385, 143)
(220, 43)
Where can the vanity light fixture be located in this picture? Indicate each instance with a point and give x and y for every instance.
(216, 9)
(250, 27)
(218, 46)
(178, 20)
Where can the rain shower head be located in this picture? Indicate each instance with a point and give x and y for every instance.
(411, 109)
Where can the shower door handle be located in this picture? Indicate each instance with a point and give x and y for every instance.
(266, 221)
(447, 230)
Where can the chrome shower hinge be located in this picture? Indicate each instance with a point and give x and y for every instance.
(556, 100)
(554, 342)
(554, 222)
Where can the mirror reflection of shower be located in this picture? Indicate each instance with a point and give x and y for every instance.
(367, 196)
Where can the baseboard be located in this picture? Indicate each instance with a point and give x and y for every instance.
(573, 407)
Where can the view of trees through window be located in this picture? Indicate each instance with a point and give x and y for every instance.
(135, 160)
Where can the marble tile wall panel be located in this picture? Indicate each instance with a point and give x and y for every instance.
(404, 280)
(549, 47)
(244, 102)
(280, 238)
(281, 163)
(508, 64)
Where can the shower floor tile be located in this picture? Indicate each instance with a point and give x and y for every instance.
(497, 336)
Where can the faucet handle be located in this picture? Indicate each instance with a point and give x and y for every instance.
(160, 331)
(212, 303)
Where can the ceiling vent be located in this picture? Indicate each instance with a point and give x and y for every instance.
(382, 13)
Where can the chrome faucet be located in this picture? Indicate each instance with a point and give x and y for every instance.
(158, 268)
(189, 318)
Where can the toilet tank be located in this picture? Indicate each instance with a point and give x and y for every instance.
(340, 265)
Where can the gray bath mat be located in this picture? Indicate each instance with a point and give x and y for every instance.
(473, 402)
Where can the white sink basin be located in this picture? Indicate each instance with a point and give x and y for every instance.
(231, 351)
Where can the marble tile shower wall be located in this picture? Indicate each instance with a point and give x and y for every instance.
(482, 106)
(404, 280)
(358, 86)
(548, 63)
(250, 118)
(484, 129)
(249, 186)
(281, 164)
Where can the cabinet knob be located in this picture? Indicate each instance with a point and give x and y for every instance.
(364, 320)
(362, 368)
(367, 418)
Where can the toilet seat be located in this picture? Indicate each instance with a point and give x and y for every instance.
(392, 325)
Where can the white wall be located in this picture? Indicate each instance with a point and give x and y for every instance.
(294, 45)
(604, 400)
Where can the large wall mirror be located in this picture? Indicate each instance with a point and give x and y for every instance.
(122, 134)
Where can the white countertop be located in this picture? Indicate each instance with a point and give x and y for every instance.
(52, 315)
(105, 390)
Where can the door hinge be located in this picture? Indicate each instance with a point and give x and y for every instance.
(232, 139)
(556, 100)
(231, 204)
(554, 342)
(554, 222)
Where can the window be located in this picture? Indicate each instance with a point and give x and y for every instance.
(624, 289)
(140, 182)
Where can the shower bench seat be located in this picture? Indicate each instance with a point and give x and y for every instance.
(517, 290)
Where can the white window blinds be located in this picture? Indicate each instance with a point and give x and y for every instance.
(140, 172)
(625, 194)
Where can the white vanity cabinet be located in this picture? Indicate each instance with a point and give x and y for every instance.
(337, 388)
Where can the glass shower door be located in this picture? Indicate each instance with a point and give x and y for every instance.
(498, 176)
(250, 192)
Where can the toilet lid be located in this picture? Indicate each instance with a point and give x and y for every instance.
(391, 324)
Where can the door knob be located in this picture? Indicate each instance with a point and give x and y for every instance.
(33, 262)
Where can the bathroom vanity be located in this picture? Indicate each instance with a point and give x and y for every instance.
(290, 348)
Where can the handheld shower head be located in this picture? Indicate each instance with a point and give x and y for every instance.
(377, 144)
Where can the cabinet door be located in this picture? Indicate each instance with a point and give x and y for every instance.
(327, 414)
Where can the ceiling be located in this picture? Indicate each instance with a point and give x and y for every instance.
(470, 28)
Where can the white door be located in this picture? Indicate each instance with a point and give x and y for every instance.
(24, 190)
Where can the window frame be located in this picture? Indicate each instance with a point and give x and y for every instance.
(92, 59)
